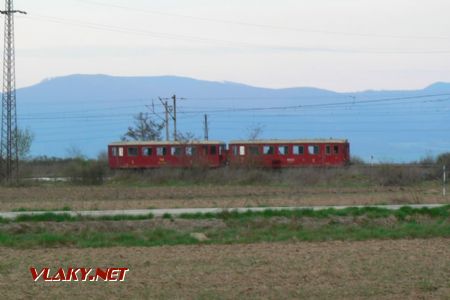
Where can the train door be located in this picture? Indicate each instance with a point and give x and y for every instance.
(148, 154)
(298, 154)
(177, 155)
(191, 154)
(223, 155)
(237, 154)
(162, 155)
(346, 153)
(314, 154)
(113, 155)
(132, 153)
(337, 154)
(283, 156)
(328, 158)
(213, 156)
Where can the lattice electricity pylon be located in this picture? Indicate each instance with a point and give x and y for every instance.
(9, 159)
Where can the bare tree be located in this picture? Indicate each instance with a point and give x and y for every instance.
(187, 137)
(255, 132)
(74, 152)
(25, 138)
(144, 129)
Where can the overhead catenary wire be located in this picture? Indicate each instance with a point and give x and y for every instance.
(330, 104)
(386, 101)
(115, 120)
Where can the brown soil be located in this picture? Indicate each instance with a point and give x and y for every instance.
(403, 269)
(189, 225)
(104, 198)
(111, 226)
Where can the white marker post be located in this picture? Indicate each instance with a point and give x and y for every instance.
(444, 181)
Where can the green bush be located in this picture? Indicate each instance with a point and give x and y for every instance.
(443, 160)
(398, 175)
(357, 161)
(86, 172)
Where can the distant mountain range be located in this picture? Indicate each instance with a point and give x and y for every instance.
(89, 111)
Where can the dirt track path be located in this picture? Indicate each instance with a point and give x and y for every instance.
(180, 211)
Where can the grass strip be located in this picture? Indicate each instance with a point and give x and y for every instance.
(239, 233)
(22, 209)
(371, 212)
(65, 217)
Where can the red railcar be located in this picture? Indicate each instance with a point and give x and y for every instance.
(147, 155)
(289, 153)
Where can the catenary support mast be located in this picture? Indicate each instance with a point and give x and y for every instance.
(9, 144)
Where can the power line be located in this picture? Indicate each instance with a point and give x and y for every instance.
(334, 131)
(64, 115)
(248, 24)
(228, 43)
(330, 104)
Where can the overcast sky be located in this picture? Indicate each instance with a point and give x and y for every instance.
(343, 45)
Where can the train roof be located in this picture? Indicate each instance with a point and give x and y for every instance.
(163, 143)
(297, 141)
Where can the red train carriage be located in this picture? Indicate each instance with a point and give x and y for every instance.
(147, 155)
(289, 153)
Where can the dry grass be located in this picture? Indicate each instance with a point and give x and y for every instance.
(413, 269)
(104, 197)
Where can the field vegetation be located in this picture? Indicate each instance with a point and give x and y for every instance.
(56, 230)
(83, 184)
(82, 171)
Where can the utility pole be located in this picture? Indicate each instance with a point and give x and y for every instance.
(172, 111)
(166, 107)
(166, 121)
(175, 134)
(206, 128)
(9, 160)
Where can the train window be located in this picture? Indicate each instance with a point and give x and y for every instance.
(241, 150)
(133, 151)
(328, 149)
(221, 149)
(336, 149)
(161, 151)
(176, 151)
(283, 150)
(146, 151)
(235, 150)
(190, 151)
(114, 152)
(268, 150)
(253, 150)
(213, 150)
(120, 151)
(313, 149)
(298, 150)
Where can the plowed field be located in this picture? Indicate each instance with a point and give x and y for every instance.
(413, 269)
(106, 198)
